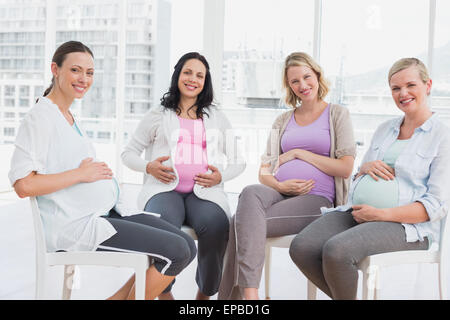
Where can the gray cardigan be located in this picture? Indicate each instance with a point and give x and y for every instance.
(342, 144)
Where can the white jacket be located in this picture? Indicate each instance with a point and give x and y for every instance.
(158, 133)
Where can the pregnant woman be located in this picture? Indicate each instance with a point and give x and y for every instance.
(309, 156)
(398, 199)
(188, 157)
(54, 161)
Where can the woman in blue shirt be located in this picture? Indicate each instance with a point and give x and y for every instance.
(398, 198)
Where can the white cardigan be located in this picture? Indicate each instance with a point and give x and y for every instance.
(158, 133)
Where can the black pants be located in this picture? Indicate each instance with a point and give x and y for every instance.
(211, 225)
(171, 249)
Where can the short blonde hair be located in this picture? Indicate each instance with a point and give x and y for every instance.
(303, 59)
(405, 63)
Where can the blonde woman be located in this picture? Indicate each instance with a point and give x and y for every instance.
(310, 154)
(398, 198)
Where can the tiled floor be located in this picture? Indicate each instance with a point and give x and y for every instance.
(17, 269)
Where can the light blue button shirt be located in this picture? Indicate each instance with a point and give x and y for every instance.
(422, 171)
(77, 129)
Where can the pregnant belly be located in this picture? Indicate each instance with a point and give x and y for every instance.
(379, 194)
(186, 175)
(298, 169)
(92, 197)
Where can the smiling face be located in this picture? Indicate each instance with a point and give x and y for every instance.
(409, 91)
(76, 74)
(303, 82)
(191, 79)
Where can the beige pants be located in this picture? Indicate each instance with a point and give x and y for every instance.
(262, 212)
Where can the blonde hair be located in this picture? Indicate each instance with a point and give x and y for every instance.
(303, 59)
(405, 63)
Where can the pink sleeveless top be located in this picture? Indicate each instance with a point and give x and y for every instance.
(190, 157)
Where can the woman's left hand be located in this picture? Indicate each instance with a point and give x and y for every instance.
(365, 213)
(291, 155)
(208, 180)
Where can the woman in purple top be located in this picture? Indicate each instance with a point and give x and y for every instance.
(309, 158)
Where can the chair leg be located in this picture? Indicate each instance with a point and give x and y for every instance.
(268, 259)
(69, 273)
(370, 282)
(140, 283)
(376, 294)
(312, 290)
(442, 282)
(40, 282)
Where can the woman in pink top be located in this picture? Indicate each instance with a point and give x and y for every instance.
(185, 144)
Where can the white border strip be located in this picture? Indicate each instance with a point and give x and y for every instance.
(163, 271)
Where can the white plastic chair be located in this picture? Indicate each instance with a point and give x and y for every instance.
(139, 262)
(280, 242)
(189, 231)
(371, 266)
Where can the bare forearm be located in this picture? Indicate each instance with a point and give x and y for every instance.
(266, 178)
(39, 184)
(341, 167)
(411, 213)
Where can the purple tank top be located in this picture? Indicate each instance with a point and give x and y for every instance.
(315, 138)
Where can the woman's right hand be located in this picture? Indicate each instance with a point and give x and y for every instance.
(91, 171)
(377, 169)
(160, 171)
(295, 187)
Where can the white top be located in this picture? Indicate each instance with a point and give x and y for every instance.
(158, 133)
(47, 144)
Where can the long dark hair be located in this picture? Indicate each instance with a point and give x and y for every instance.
(60, 55)
(171, 98)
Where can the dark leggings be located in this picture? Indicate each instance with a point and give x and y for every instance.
(329, 249)
(171, 249)
(211, 225)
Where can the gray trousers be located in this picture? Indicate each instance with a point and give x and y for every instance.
(329, 249)
(170, 248)
(262, 212)
(211, 225)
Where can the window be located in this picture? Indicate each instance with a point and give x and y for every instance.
(104, 135)
(258, 35)
(9, 102)
(10, 91)
(24, 91)
(24, 103)
(441, 69)
(257, 50)
(38, 91)
(9, 132)
(358, 50)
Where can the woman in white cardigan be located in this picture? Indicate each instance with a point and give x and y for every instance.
(190, 151)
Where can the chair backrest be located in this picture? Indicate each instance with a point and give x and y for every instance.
(41, 247)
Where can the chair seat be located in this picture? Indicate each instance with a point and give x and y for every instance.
(114, 259)
(189, 231)
(401, 257)
(280, 242)
(138, 261)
